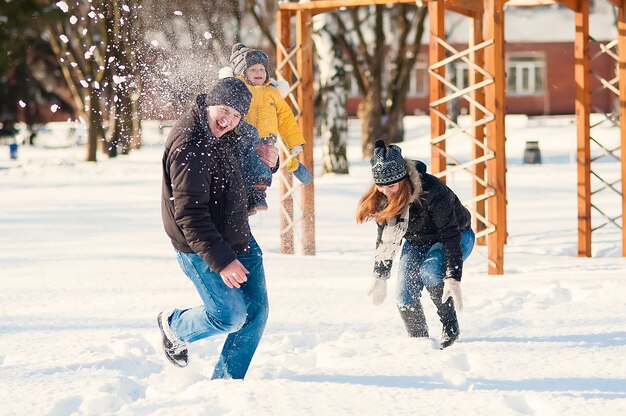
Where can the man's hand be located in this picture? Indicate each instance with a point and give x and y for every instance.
(452, 289)
(234, 274)
(268, 153)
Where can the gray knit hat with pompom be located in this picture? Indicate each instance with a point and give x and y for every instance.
(388, 165)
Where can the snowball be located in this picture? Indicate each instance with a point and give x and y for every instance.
(154, 43)
(21, 103)
(64, 38)
(178, 13)
(54, 108)
(207, 35)
(73, 20)
(63, 6)
(84, 83)
(126, 8)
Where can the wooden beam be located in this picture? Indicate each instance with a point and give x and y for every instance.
(573, 5)
(304, 63)
(570, 4)
(478, 57)
(283, 35)
(437, 91)
(496, 167)
(465, 7)
(329, 5)
(529, 3)
(621, 31)
(460, 11)
(583, 109)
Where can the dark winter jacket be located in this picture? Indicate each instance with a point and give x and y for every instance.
(204, 199)
(436, 215)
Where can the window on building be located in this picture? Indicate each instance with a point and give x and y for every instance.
(525, 75)
(418, 86)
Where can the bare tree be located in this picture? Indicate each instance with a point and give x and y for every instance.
(79, 39)
(122, 75)
(332, 96)
(383, 62)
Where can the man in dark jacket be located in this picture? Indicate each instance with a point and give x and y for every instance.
(204, 209)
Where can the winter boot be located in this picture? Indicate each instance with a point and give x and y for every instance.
(414, 320)
(447, 315)
(175, 350)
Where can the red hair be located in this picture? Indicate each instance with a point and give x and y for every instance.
(375, 205)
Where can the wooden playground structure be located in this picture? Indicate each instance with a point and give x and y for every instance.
(486, 96)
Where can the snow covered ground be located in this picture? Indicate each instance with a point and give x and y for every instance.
(85, 267)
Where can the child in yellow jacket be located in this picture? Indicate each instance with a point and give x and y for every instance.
(269, 113)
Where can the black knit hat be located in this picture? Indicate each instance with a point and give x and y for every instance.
(232, 93)
(242, 58)
(388, 165)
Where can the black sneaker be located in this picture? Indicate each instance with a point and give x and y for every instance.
(175, 350)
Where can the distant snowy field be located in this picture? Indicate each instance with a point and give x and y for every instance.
(85, 267)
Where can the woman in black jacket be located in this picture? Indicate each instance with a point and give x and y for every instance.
(408, 203)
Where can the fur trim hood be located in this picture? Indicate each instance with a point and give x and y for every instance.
(415, 169)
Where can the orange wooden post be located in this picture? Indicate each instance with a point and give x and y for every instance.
(283, 32)
(621, 30)
(478, 57)
(496, 167)
(304, 59)
(436, 54)
(583, 109)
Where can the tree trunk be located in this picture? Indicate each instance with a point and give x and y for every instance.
(371, 115)
(395, 125)
(334, 114)
(95, 125)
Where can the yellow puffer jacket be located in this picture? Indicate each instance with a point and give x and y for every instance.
(270, 114)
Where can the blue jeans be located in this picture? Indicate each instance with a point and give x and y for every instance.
(241, 313)
(425, 266)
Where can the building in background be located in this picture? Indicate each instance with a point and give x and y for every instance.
(539, 55)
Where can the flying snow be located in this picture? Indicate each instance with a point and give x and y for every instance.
(63, 6)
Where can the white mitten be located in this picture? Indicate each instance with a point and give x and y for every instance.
(225, 72)
(452, 288)
(378, 291)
